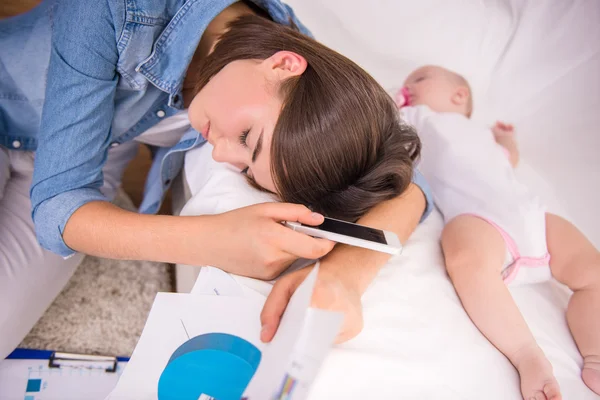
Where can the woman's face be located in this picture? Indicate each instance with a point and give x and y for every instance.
(238, 109)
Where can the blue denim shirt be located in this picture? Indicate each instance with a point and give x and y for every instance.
(77, 77)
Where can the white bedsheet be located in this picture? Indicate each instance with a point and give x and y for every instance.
(418, 342)
(535, 64)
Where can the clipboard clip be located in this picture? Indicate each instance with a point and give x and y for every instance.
(70, 360)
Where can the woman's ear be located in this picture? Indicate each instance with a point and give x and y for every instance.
(285, 64)
(461, 96)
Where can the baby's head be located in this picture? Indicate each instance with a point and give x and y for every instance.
(440, 89)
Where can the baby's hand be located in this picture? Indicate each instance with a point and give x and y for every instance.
(504, 135)
(502, 129)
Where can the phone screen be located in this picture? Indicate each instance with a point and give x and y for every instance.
(354, 230)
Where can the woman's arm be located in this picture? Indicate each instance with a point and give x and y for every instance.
(347, 271)
(249, 241)
(357, 266)
(75, 127)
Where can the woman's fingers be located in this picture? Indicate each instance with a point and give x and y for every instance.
(274, 307)
(303, 246)
(291, 242)
(329, 293)
(291, 212)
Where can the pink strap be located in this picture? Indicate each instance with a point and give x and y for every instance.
(510, 272)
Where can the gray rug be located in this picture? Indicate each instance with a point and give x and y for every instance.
(103, 308)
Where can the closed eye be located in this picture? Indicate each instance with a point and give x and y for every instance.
(243, 138)
(246, 172)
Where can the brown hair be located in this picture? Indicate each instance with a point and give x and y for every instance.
(339, 146)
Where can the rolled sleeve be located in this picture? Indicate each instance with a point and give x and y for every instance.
(75, 129)
(419, 180)
(52, 215)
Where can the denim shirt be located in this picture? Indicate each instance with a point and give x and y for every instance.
(78, 77)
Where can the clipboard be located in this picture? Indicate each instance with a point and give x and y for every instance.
(28, 374)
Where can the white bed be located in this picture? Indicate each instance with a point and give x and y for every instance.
(535, 64)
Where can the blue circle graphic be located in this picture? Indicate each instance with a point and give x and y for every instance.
(218, 365)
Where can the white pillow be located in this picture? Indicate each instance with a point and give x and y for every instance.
(216, 187)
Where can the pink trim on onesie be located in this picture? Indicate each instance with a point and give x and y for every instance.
(510, 272)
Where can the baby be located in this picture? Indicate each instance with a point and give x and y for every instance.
(497, 232)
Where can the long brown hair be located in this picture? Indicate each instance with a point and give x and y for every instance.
(339, 146)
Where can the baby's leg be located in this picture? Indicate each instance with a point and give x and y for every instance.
(576, 263)
(475, 251)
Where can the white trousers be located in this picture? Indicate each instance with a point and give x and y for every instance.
(31, 277)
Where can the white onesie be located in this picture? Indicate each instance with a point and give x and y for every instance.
(469, 173)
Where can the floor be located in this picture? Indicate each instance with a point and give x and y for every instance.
(103, 308)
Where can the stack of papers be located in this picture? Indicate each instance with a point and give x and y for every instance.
(206, 345)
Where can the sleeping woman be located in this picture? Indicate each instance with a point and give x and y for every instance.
(304, 122)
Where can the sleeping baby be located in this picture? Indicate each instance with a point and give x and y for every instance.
(497, 232)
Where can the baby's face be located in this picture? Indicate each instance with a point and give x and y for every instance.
(434, 87)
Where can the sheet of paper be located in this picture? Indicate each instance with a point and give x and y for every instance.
(318, 334)
(214, 281)
(174, 319)
(288, 364)
(291, 361)
(306, 336)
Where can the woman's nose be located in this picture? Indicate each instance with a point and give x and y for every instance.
(219, 153)
(223, 151)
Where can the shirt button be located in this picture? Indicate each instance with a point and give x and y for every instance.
(16, 144)
(114, 144)
(160, 114)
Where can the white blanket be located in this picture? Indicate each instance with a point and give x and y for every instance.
(534, 64)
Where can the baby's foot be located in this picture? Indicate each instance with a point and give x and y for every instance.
(591, 373)
(537, 380)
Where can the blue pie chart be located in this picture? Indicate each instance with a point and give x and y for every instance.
(217, 365)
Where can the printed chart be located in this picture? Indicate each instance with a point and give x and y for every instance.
(34, 380)
(213, 365)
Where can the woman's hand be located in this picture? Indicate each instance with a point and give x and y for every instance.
(251, 241)
(248, 241)
(347, 271)
(331, 292)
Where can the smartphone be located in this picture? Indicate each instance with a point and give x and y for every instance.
(352, 234)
